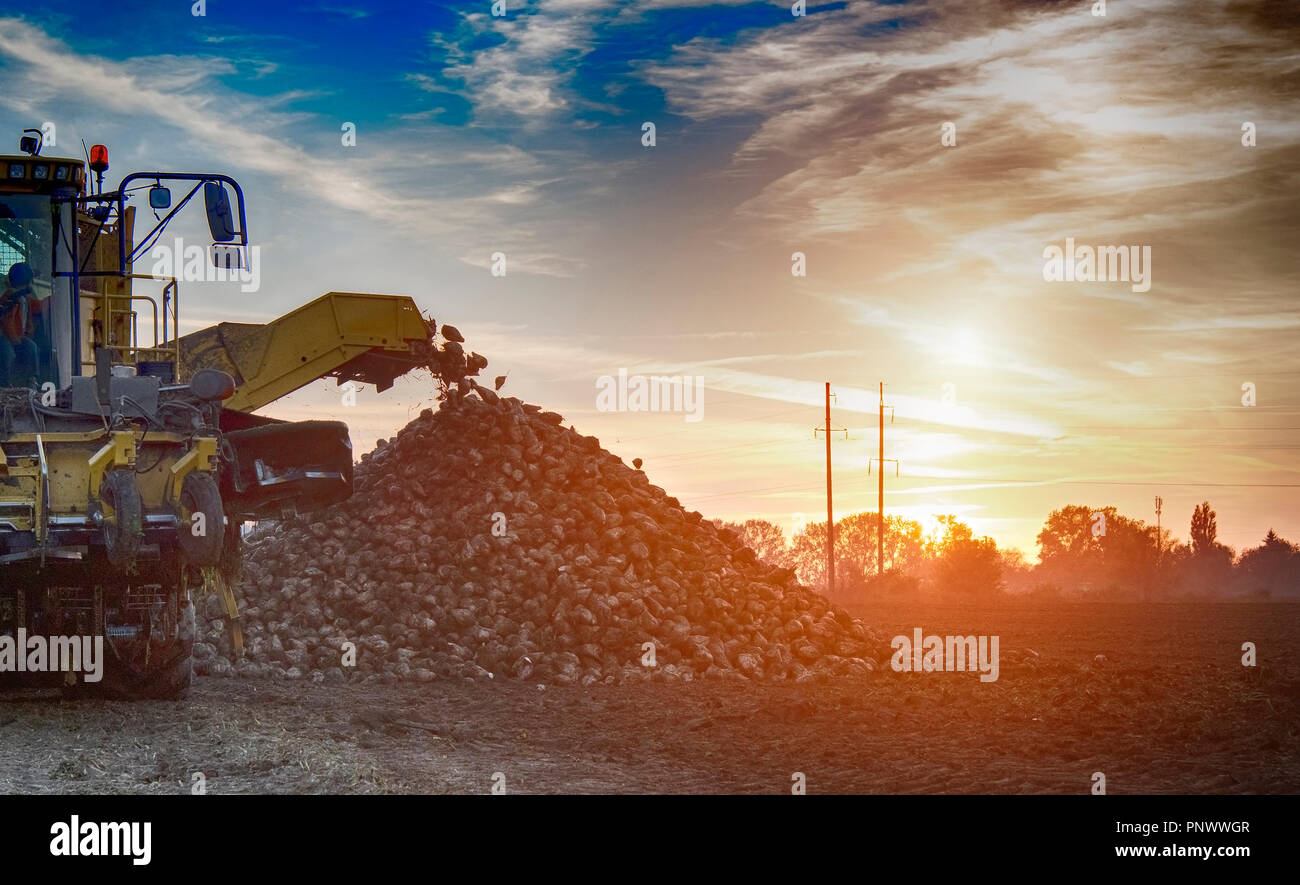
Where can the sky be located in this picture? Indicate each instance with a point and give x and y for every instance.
(922, 158)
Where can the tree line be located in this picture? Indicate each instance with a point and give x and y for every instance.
(1084, 553)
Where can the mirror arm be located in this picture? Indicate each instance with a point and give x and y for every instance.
(150, 238)
(199, 178)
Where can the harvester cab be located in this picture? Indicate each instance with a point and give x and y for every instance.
(67, 249)
(130, 455)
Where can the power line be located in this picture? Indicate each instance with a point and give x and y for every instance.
(956, 429)
(978, 483)
(981, 484)
(680, 459)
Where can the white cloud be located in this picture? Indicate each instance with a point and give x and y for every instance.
(180, 93)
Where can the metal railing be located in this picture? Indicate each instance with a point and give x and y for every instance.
(166, 341)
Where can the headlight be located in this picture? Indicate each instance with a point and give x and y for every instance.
(15, 170)
(41, 172)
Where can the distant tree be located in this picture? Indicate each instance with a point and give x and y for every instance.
(766, 539)
(1069, 553)
(1013, 558)
(1016, 572)
(808, 555)
(1208, 570)
(856, 541)
(1271, 569)
(1205, 529)
(1097, 550)
(951, 531)
(856, 551)
(964, 564)
(1129, 559)
(970, 567)
(1068, 536)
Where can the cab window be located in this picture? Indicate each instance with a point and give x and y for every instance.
(26, 254)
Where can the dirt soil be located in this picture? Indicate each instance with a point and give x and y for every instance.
(1170, 709)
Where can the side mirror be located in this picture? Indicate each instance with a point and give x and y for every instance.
(160, 198)
(220, 222)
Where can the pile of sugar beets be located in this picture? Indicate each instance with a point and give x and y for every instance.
(486, 540)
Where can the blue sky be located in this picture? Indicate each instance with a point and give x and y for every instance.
(775, 134)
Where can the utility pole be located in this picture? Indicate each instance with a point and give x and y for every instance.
(830, 509)
(1160, 541)
(880, 519)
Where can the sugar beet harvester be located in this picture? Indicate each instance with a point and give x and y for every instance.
(127, 466)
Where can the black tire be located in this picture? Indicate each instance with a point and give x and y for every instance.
(123, 513)
(170, 674)
(200, 494)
